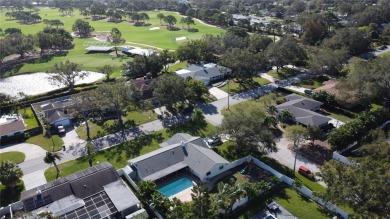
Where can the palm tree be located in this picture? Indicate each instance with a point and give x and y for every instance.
(10, 174)
(51, 158)
(227, 195)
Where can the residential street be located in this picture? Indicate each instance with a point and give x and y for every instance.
(75, 147)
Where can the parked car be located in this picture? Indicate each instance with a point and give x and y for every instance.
(382, 47)
(213, 140)
(306, 173)
(309, 92)
(61, 129)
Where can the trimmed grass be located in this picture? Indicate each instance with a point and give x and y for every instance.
(299, 206)
(283, 73)
(337, 115)
(47, 143)
(132, 118)
(12, 156)
(235, 87)
(177, 66)
(240, 179)
(313, 186)
(161, 38)
(28, 117)
(120, 154)
(313, 83)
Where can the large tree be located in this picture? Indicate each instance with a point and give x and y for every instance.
(244, 64)
(367, 82)
(285, 51)
(195, 89)
(315, 29)
(160, 16)
(201, 202)
(114, 98)
(328, 61)
(10, 174)
(365, 186)
(83, 106)
(194, 51)
(67, 73)
(169, 90)
(352, 39)
(141, 65)
(170, 20)
(245, 124)
(107, 70)
(116, 39)
(297, 134)
(51, 158)
(82, 28)
(20, 43)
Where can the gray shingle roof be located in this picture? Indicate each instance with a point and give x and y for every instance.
(197, 71)
(176, 139)
(56, 115)
(171, 158)
(300, 107)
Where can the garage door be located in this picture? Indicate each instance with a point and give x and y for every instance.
(64, 122)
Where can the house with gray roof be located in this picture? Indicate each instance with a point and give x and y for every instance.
(303, 110)
(96, 192)
(208, 73)
(182, 151)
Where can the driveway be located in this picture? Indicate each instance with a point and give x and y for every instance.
(34, 179)
(286, 156)
(30, 150)
(296, 88)
(267, 76)
(218, 93)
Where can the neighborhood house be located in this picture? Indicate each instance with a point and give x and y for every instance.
(303, 110)
(11, 126)
(97, 192)
(208, 73)
(182, 151)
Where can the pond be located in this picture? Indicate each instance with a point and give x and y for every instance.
(37, 83)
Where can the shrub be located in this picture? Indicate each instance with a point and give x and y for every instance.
(193, 30)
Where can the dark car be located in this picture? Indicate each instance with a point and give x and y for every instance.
(382, 47)
(213, 140)
(309, 92)
(306, 173)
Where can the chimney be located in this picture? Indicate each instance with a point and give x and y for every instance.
(85, 186)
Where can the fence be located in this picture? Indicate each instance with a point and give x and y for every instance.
(341, 158)
(303, 190)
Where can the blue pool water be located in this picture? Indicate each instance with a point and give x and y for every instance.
(176, 187)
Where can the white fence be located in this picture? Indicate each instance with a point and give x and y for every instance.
(341, 158)
(303, 190)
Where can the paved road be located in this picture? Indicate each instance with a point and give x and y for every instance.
(30, 150)
(75, 147)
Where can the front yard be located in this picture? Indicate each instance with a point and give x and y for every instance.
(47, 143)
(234, 87)
(12, 156)
(101, 128)
(313, 83)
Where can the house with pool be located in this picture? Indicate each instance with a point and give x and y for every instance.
(182, 161)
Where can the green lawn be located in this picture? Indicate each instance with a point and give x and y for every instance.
(299, 206)
(119, 154)
(177, 66)
(47, 143)
(162, 38)
(313, 83)
(28, 117)
(132, 118)
(12, 156)
(283, 73)
(313, 186)
(337, 115)
(235, 87)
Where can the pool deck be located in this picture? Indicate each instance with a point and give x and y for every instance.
(184, 196)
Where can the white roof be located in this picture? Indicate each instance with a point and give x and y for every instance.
(182, 71)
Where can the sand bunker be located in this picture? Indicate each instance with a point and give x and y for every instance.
(154, 28)
(37, 83)
(181, 38)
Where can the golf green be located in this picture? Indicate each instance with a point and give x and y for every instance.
(160, 38)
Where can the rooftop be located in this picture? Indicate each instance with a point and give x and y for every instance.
(12, 126)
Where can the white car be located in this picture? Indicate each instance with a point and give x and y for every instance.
(61, 129)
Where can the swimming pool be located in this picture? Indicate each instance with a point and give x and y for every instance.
(176, 187)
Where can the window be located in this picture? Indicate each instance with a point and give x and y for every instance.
(208, 173)
(221, 167)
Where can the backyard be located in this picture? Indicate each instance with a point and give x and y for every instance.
(28, 117)
(161, 38)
